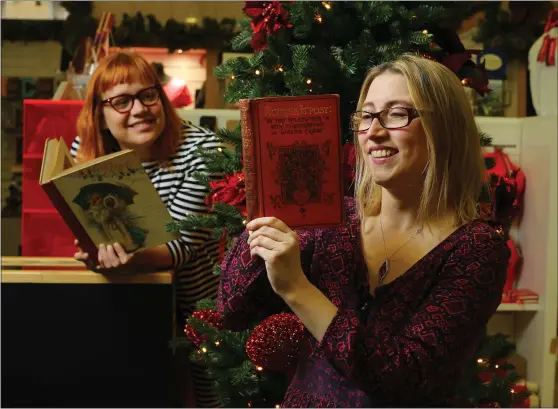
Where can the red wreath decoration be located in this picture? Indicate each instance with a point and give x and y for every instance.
(208, 316)
(230, 190)
(274, 344)
(267, 18)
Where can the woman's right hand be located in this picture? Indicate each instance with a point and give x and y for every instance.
(82, 256)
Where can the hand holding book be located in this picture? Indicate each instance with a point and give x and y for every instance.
(108, 257)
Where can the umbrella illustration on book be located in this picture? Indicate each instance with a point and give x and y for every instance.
(106, 206)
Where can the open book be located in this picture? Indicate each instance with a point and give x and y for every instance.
(106, 200)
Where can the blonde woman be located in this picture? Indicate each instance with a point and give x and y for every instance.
(395, 302)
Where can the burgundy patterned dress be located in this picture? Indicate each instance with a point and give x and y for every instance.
(405, 346)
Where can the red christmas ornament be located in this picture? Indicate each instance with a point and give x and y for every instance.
(230, 190)
(208, 316)
(267, 18)
(274, 344)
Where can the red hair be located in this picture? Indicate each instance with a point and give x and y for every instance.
(118, 69)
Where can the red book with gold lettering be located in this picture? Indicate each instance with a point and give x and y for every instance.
(292, 157)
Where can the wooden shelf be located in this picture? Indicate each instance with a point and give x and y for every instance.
(46, 272)
(513, 307)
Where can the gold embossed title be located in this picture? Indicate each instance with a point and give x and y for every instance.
(298, 110)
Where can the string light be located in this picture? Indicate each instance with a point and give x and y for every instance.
(326, 4)
(243, 221)
(318, 18)
(217, 343)
(480, 361)
(258, 72)
(232, 77)
(249, 404)
(496, 366)
(179, 51)
(309, 81)
(259, 368)
(425, 32)
(220, 149)
(277, 406)
(204, 350)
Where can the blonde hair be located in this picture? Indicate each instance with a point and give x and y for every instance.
(117, 69)
(455, 169)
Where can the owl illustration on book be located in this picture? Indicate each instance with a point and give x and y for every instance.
(106, 206)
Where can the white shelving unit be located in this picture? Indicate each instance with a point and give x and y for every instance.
(533, 326)
(532, 145)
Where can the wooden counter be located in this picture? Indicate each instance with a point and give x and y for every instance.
(66, 270)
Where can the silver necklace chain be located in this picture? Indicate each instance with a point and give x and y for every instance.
(384, 268)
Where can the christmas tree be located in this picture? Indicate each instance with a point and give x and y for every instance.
(301, 48)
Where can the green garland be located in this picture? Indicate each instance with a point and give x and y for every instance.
(136, 31)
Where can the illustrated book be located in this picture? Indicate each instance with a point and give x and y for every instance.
(292, 155)
(106, 200)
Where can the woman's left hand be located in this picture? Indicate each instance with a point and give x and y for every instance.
(113, 256)
(277, 245)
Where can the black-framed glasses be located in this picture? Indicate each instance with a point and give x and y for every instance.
(124, 103)
(390, 118)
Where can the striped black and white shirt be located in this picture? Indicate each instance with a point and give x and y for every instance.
(195, 253)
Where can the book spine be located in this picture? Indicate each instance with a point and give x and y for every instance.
(249, 159)
(70, 219)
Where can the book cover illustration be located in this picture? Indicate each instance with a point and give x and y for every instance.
(300, 169)
(107, 206)
(115, 202)
(294, 170)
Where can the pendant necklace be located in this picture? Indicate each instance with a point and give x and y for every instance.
(384, 268)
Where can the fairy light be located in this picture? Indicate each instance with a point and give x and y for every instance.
(217, 343)
(277, 406)
(326, 4)
(204, 350)
(309, 81)
(243, 221)
(480, 361)
(220, 149)
(258, 72)
(425, 32)
(496, 366)
(232, 77)
(259, 368)
(318, 18)
(179, 51)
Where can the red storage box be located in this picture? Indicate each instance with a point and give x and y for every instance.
(44, 233)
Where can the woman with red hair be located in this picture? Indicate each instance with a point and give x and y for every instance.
(126, 108)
